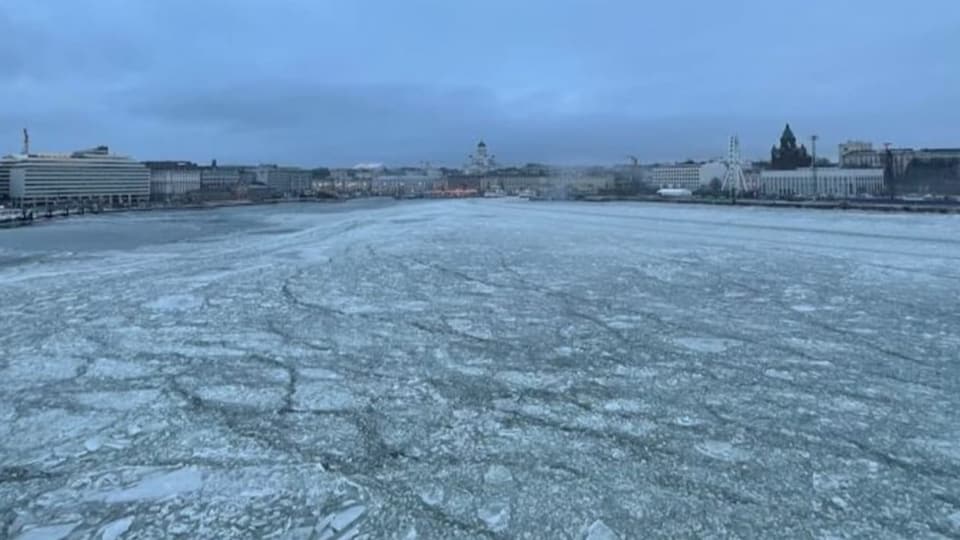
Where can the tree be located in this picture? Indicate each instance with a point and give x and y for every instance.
(715, 186)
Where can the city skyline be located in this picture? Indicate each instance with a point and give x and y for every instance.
(557, 82)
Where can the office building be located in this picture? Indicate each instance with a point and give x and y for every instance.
(173, 179)
(933, 171)
(5, 164)
(862, 155)
(689, 175)
(407, 180)
(921, 171)
(681, 176)
(92, 175)
(824, 182)
(219, 178)
(285, 180)
(853, 146)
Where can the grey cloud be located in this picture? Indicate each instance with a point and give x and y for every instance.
(549, 80)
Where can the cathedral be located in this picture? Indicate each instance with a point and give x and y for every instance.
(480, 162)
(788, 156)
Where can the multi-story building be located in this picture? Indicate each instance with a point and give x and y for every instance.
(219, 177)
(173, 179)
(687, 175)
(862, 155)
(931, 171)
(5, 164)
(822, 182)
(248, 176)
(286, 180)
(409, 181)
(853, 146)
(92, 175)
(578, 181)
(681, 175)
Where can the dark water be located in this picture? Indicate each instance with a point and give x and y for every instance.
(132, 230)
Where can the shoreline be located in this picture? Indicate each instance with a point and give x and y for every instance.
(60, 214)
(907, 207)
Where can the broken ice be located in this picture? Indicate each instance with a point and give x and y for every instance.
(482, 368)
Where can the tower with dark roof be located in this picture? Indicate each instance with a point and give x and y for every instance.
(788, 155)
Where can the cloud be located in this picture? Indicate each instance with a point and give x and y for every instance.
(562, 80)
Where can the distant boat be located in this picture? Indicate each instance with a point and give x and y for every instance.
(496, 193)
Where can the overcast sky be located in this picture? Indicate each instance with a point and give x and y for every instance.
(335, 82)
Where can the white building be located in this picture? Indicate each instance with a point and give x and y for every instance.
(173, 179)
(480, 162)
(851, 152)
(409, 181)
(680, 176)
(87, 175)
(686, 175)
(829, 182)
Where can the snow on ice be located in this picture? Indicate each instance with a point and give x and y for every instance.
(481, 369)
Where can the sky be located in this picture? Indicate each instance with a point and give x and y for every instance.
(338, 82)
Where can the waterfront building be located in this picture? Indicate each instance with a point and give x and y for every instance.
(516, 183)
(689, 175)
(248, 176)
(353, 180)
(680, 176)
(407, 181)
(5, 164)
(173, 179)
(572, 182)
(853, 146)
(823, 182)
(219, 177)
(92, 175)
(285, 180)
(862, 155)
(933, 171)
(920, 171)
(788, 155)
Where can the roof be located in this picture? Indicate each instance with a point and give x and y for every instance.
(788, 133)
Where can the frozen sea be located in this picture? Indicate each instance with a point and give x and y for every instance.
(481, 369)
